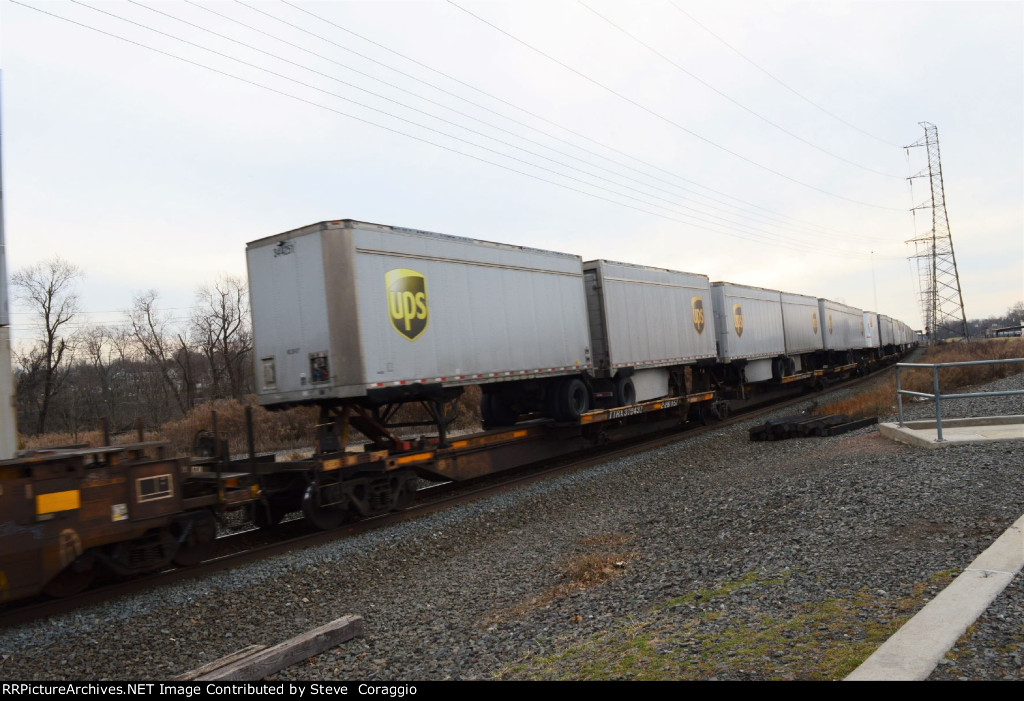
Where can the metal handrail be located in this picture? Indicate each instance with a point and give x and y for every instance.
(937, 397)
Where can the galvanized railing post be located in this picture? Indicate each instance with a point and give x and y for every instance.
(936, 395)
(899, 396)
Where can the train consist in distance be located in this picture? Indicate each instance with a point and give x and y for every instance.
(362, 320)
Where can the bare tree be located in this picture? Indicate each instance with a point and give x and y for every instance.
(48, 289)
(169, 351)
(222, 332)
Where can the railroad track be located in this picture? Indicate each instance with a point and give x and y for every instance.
(253, 545)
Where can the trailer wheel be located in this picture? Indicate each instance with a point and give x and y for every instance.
(625, 391)
(573, 399)
(778, 368)
(497, 411)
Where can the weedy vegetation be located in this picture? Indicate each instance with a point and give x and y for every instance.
(880, 400)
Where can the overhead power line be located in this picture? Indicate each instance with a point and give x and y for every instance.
(739, 104)
(753, 235)
(525, 111)
(533, 153)
(758, 237)
(665, 119)
(779, 81)
(458, 112)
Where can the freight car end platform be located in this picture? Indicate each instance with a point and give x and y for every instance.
(126, 509)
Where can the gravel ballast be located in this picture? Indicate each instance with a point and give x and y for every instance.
(713, 558)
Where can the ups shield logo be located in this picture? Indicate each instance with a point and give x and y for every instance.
(814, 322)
(407, 301)
(697, 306)
(830, 324)
(737, 319)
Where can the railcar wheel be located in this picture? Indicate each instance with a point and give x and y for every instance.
(625, 391)
(406, 493)
(267, 515)
(324, 517)
(199, 544)
(69, 581)
(700, 413)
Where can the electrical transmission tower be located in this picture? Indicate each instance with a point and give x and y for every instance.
(942, 302)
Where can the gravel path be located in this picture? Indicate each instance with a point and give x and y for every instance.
(714, 558)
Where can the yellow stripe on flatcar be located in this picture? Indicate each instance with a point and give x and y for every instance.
(418, 457)
(58, 501)
(329, 465)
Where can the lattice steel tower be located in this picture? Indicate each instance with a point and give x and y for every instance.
(942, 302)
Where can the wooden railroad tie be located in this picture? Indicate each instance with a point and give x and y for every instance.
(807, 425)
(256, 662)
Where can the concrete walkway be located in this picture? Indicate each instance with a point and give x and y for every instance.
(983, 429)
(916, 648)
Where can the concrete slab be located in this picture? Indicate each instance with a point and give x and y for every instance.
(982, 429)
(916, 648)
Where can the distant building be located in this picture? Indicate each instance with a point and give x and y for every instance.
(1006, 331)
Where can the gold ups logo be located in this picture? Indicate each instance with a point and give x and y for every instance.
(830, 323)
(737, 319)
(407, 301)
(814, 322)
(697, 305)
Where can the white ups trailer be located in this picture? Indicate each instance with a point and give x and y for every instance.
(644, 321)
(842, 328)
(871, 333)
(800, 317)
(748, 327)
(885, 332)
(346, 310)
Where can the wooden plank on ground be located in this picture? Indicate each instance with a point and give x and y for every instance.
(273, 659)
(217, 664)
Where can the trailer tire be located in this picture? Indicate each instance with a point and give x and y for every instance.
(573, 399)
(497, 411)
(625, 391)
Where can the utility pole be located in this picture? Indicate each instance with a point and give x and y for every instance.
(8, 415)
(874, 283)
(942, 301)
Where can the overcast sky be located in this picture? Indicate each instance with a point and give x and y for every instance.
(755, 142)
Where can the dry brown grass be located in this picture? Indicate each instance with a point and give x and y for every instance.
(881, 400)
(273, 430)
(605, 559)
(585, 571)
